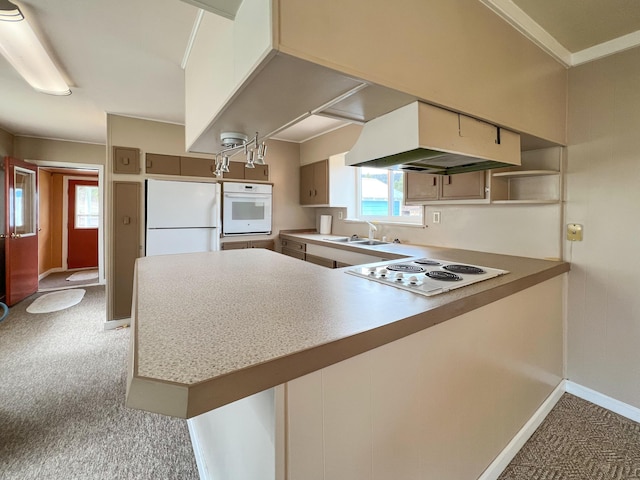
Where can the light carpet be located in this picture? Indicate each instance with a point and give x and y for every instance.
(62, 413)
(56, 301)
(579, 441)
(83, 275)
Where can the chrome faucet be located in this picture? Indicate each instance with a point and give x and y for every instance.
(372, 228)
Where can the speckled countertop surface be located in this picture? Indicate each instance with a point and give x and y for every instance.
(210, 328)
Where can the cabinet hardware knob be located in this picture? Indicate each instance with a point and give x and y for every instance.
(126, 220)
(125, 161)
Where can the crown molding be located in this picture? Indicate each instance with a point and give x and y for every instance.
(517, 18)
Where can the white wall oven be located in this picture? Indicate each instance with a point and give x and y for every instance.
(246, 208)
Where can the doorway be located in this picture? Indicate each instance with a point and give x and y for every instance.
(71, 226)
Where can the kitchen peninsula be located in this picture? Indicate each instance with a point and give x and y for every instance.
(464, 369)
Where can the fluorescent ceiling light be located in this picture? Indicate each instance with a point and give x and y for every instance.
(21, 47)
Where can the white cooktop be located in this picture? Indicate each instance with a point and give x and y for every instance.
(426, 276)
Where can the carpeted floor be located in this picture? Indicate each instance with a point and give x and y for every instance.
(58, 280)
(62, 414)
(579, 441)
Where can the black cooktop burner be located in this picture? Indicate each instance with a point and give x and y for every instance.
(462, 269)
(426, 261)
(444, 276)
(404, 267)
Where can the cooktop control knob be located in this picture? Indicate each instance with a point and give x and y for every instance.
(413, 280)
(372, 270)
(383, 272)
(399, 276)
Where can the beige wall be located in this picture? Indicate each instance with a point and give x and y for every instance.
(6, 143)
(603, 194)
(30, 148)
(454, 53)
(323, 146)
(44, 222)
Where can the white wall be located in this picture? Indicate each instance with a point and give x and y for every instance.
(603, 194)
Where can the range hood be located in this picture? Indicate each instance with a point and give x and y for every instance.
(423, 138)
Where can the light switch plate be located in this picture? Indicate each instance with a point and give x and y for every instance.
(574, 232)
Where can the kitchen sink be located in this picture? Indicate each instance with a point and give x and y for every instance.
(343, 240)
(369, 242)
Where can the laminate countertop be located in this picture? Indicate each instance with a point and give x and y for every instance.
(212, 328)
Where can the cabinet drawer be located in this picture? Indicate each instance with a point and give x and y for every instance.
(234, 245)
(293, 253)
(325, 262)
(268, 244)
(293, 245)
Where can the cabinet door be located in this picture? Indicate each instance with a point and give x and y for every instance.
(420, 187)
(197, 167)
(293, 253)
(321, 182)
(462, 186)
(236, 171)
(324, 262)
(163, 164)
(126, 160)
(126, 244)
(261, 172)
(306, 185)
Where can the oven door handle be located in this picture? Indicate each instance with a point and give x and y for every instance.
(245, 196)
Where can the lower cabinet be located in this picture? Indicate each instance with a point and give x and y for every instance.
(325, 262)
(325, 256)
(267, 244)
(292, 248)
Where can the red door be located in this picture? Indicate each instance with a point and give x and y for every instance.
(82, 231)
(21, 237)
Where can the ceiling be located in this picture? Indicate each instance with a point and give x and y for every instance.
(125, 56)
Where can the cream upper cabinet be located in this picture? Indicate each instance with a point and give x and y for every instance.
(421, 188)
(277, 62)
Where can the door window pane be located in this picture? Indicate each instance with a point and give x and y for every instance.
(24, 201)
(87, 207)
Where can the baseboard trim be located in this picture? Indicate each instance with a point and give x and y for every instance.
(113, 324)
(49, 272)
(604, 401)
(496, 467)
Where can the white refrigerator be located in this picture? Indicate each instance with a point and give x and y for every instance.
(182, 217)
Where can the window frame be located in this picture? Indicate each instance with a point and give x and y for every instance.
(390, 219)
(89, 215)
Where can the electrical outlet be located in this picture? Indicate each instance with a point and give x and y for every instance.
(436, 217)
(339, 215)
(574, 232)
